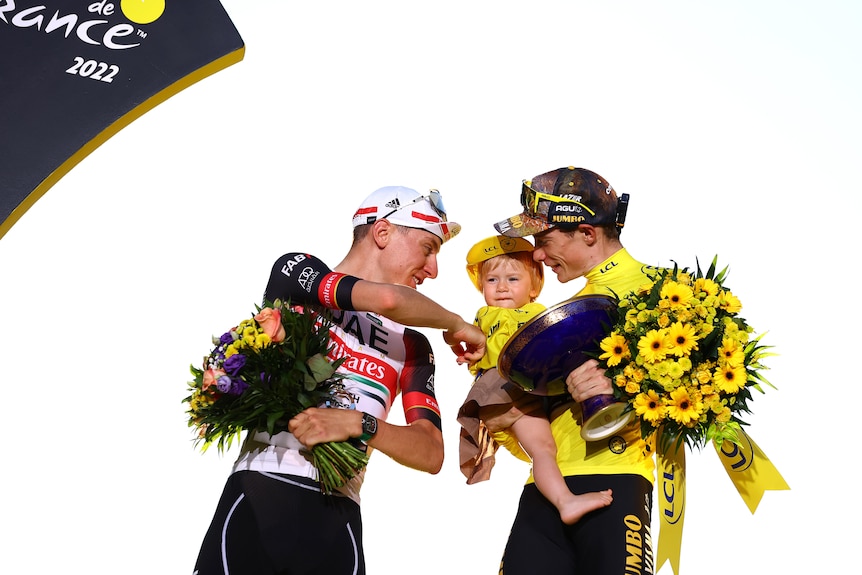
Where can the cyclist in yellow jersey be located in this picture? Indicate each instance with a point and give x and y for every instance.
(575, 217)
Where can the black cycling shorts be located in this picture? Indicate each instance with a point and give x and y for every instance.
(268, 523)
(613, 540)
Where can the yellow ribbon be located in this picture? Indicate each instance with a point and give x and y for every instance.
(671, 503)
(750, 470)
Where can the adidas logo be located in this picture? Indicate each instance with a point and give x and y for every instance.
(394, 204)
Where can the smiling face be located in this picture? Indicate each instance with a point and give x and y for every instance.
(507, 283)
(414, 256)
(567, 254)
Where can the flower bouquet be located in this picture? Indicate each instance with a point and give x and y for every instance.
(683, 359)
(262, 373)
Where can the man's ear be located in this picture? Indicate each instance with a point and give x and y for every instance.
(382, 231)
(589, 234)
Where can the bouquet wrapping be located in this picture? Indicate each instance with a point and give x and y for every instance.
(263, 372)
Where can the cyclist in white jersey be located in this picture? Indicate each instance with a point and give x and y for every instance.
(272, 517)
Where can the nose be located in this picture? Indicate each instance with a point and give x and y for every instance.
(538, 254)
(431, 266)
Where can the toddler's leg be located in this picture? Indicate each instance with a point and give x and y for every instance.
(534, 435)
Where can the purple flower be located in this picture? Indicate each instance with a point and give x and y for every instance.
(238, 386)
(231, 385)
(226, 338)
(234, 363)
(224, 384)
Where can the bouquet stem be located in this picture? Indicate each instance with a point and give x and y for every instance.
(337, 462)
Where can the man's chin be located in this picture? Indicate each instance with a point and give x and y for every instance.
(562, 277)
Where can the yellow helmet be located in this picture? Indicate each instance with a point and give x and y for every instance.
(493, 247)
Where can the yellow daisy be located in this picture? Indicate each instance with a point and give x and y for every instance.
(730, 352)
(730, 379)
(653, 346)
(615, 349)
(681, 339)
(676, 294)
(684, 408)
(706, 286)
(730, 303)
(649, 407)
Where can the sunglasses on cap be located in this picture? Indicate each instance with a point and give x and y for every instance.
(434, 199)
(530, 199)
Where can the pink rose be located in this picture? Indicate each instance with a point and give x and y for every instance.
(211, 377)
(269, 321)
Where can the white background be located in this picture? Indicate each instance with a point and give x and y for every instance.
(735, 127)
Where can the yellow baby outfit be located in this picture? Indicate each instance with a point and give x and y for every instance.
(493, 404)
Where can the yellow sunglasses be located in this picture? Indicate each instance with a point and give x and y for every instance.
(530, 199)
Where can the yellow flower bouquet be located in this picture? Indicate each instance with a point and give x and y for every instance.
(683, 359)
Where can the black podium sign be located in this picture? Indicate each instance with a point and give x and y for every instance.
(75, 72)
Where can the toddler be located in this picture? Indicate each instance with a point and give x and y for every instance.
(502, 268)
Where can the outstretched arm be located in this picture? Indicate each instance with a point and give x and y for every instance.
(409, 307)
(302, 278)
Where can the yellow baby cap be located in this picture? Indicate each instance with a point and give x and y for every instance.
(490, 248)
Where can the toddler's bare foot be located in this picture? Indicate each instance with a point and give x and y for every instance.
(577, 506)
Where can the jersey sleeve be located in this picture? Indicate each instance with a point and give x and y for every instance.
(417, 380)
(304, 279)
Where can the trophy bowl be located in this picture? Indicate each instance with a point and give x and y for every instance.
(542, 352)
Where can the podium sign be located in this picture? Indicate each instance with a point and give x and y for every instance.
(75, 72)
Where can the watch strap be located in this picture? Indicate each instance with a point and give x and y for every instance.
(369, 427)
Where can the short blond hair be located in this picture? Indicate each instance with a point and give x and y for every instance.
(536, 270)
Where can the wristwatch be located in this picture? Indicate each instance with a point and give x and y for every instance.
(369, 427)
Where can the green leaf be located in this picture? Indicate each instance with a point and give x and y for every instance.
(321, 369)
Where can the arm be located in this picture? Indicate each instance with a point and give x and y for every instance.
(302, 278)
(418, 445)
(409, 307)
